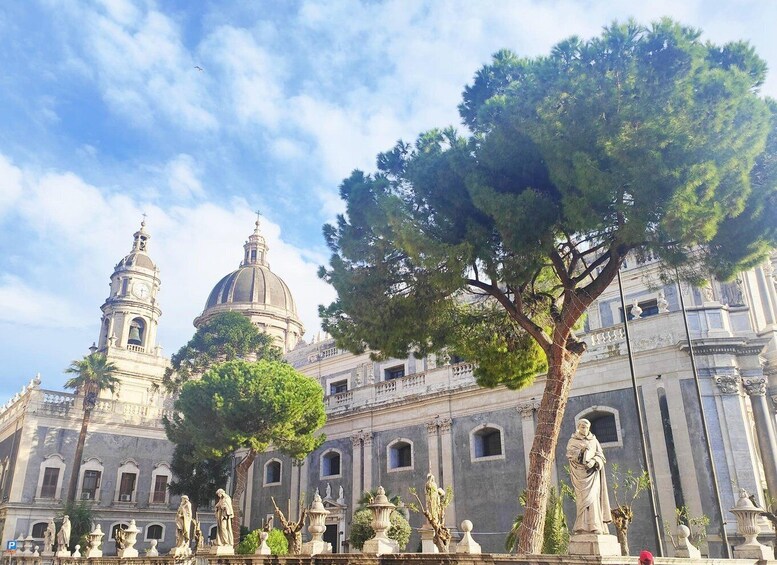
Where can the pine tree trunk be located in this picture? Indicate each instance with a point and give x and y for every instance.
(241, 480)
(73, 487)
(562, 364)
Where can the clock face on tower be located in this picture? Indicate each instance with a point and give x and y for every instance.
(141, 290)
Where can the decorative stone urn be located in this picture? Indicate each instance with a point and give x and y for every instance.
(747, 525)
(28, 543)
(95, 538)
(317, 515)
(130, 538)
(381, 511)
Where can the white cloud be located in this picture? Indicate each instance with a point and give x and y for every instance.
(251, 75)
(142, 67)
(182, 177)
(27, 306)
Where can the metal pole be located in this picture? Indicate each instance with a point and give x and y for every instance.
(640, 412)
(716, 490)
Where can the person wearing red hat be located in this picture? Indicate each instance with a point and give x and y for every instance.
(645, 557)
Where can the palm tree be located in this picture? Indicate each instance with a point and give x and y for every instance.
(93, 374)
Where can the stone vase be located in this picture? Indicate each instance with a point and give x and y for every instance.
(131, 538)
(95, 539)
(381, 511)
(317, 515)
(747, 515)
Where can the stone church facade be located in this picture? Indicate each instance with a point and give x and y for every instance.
(390, 422)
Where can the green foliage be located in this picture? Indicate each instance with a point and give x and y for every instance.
(227, 336)
(82, 515)
(556, 533)
(249, 405)
(196, 477)
(93, 374)
(627, 487)
(644, 139)
(275, 540)
(361, 530)
(696, 523)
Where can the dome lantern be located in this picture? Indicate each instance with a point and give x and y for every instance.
(257, 293)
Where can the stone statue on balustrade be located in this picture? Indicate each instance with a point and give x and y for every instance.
(63, 537)
(224, 515)
(49, 537)
(183, 528)
(586, 471)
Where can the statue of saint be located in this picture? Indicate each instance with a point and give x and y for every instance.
(183, 522)
(63, 537)
(49, 537)
(586, 470)
(224, 515)
(328, 491)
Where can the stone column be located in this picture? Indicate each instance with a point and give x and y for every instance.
(526, 409)
(367, 442)
(434, 446)
(764, 430)
(357, 487)
(298, 483)
(446, 442)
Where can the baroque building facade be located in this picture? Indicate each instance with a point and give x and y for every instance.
(391, 422)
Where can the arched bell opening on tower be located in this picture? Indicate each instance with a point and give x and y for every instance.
(137, 331)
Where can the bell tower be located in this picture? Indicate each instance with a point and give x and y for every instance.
(131, 313)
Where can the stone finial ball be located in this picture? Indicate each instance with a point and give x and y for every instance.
(683, 531)
(466, 526)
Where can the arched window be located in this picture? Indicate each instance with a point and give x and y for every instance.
(52, 470)
(605, 425)
(127, 480)
(331, 464)
(212, 532)
(137, 332)
(487, 443)
(155, 531)
(39, 530)
(115, 527)
(272, 472)
(160, 478)
(400, 455)
(91, 479)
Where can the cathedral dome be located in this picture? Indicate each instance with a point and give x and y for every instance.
(257, 293)
(254, 284)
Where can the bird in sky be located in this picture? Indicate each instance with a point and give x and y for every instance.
(199, 68)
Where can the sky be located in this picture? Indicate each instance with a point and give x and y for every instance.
(197, 114)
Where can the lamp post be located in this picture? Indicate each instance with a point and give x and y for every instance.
(705, 429)
(640, 412)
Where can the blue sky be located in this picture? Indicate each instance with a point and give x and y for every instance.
(104, 117)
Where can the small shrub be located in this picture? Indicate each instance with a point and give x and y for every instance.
(275, 540)
(361, 530)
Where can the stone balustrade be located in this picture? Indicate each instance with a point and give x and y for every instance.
(67, 405)
(459, 375)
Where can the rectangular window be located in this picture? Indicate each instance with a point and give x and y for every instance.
(127, 487)
(160, 489)
(395, 372)
(50, 479)
(91, 484)
(338, 387)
